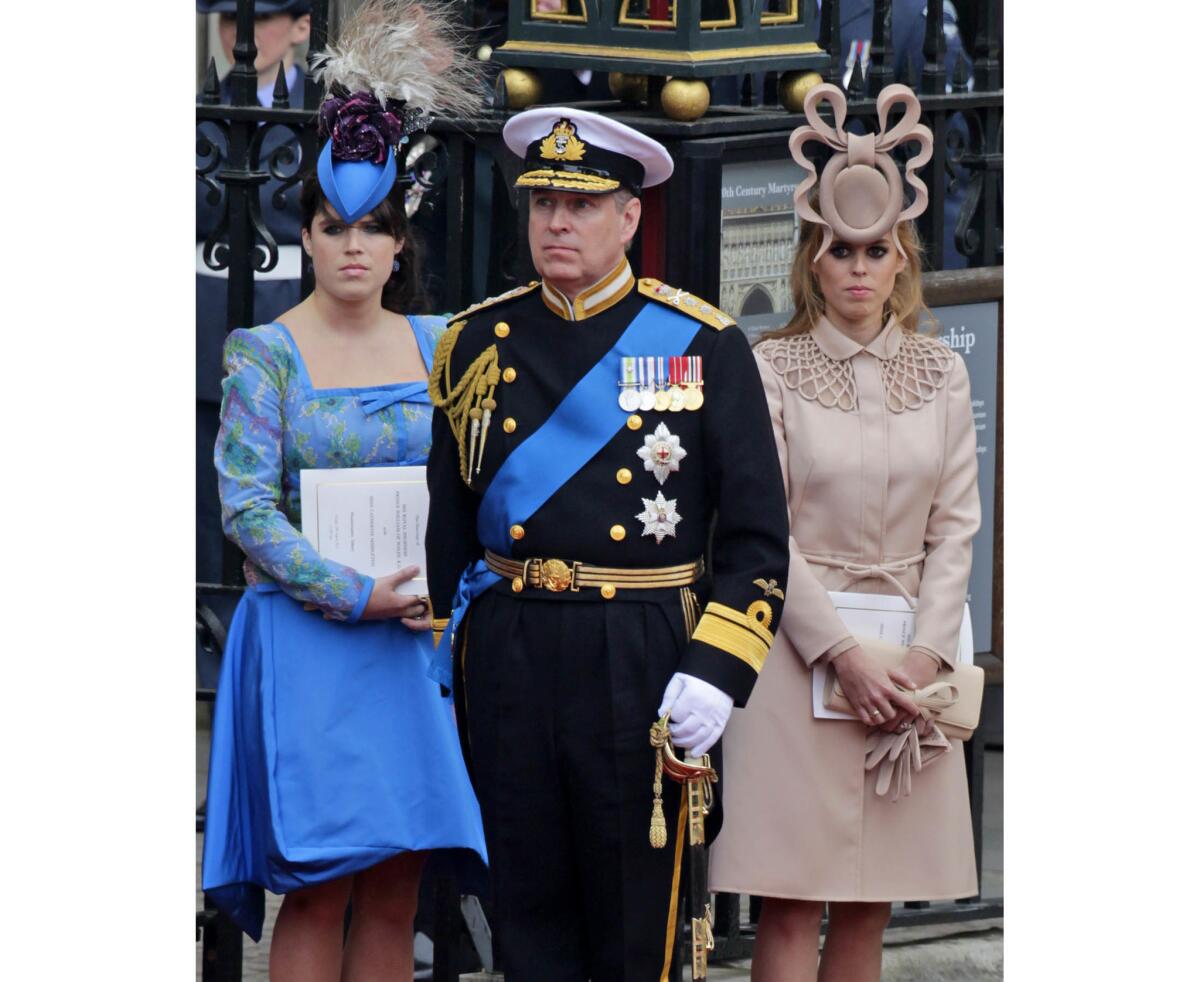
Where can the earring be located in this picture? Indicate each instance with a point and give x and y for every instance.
(395, 265)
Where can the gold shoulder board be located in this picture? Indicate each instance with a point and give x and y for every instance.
(518, 291)
(685, 303)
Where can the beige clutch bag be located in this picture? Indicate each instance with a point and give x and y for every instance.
(952, 700)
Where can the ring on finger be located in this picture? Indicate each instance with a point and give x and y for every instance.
(876, 712)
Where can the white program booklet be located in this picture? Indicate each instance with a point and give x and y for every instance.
(885, 618)
(369, 518)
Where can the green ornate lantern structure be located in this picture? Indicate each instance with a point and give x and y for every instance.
(680, 40)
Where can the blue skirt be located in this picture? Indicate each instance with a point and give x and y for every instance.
(332, 751)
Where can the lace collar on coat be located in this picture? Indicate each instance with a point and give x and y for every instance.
(817, 365)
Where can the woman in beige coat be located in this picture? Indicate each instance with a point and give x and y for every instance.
(876, 440)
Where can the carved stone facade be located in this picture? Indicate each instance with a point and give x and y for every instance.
(757, 245)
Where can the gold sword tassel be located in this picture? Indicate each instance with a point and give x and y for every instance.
(658, 821)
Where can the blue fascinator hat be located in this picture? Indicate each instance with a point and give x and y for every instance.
(394, 62)
(357, 165)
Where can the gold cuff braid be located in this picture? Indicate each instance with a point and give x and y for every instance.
(742, 635)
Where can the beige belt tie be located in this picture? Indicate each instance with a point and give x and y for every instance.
(882, 571)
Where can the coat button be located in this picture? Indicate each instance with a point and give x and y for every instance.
(617, 532)
(634, 422)
(517, 532)
(501, 330)
(624, 475)
(518, 584)
(510, 424)
(510, 374)
(608, 591)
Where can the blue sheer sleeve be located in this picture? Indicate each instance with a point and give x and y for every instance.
(249, 462)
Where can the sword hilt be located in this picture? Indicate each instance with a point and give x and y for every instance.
(696, 774)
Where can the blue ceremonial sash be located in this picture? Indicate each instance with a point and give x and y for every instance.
(582, 424)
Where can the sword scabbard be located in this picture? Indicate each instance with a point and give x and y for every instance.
(698, 777)
(703, 942)
(695, 805)
(699, 950)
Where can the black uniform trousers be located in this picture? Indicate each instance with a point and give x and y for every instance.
(556, 695)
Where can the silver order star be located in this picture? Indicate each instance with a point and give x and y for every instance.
(661, 452)
(660, 517)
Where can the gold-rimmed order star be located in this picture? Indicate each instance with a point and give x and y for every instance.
(660, 517)
(661, 453)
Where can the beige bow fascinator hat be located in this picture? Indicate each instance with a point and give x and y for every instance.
(860, 192)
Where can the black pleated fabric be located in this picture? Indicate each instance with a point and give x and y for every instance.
(566, 790)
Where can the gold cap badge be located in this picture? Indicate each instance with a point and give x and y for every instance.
(562, 143)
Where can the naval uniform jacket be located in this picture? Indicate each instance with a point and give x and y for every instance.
(729, 483)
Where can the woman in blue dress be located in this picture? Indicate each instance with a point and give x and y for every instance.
(335, 765)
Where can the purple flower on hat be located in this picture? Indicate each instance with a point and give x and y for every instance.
(361, 129)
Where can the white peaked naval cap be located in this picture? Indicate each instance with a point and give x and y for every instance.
(573, 150)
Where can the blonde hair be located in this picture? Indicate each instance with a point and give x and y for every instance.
(906, 302)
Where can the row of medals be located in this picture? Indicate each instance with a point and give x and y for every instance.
(665, 384)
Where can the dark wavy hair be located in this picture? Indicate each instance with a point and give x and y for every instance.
(402, 294)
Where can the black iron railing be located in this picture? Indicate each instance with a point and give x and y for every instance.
(240, 151)
(230, 140)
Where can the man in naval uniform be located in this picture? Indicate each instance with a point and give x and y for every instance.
(592, 430)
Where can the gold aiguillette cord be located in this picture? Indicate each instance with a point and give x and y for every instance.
(469, 403)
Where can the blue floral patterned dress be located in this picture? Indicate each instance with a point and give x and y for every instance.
(332, 750)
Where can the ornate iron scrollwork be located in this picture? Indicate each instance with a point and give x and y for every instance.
(284, 156)
(207, 149)
(979, 229)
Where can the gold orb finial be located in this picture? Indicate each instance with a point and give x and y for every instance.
(522, 87)
(685, 99)
(794, 86)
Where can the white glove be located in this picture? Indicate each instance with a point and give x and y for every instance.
(699, 712)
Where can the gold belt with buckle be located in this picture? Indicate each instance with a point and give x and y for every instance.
(556, 575)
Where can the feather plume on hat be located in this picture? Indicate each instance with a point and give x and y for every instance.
(404, 51)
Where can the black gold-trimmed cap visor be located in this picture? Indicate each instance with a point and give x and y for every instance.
(580, 182)
(606, 171)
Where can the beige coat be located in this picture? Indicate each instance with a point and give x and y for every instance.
(877, 446)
